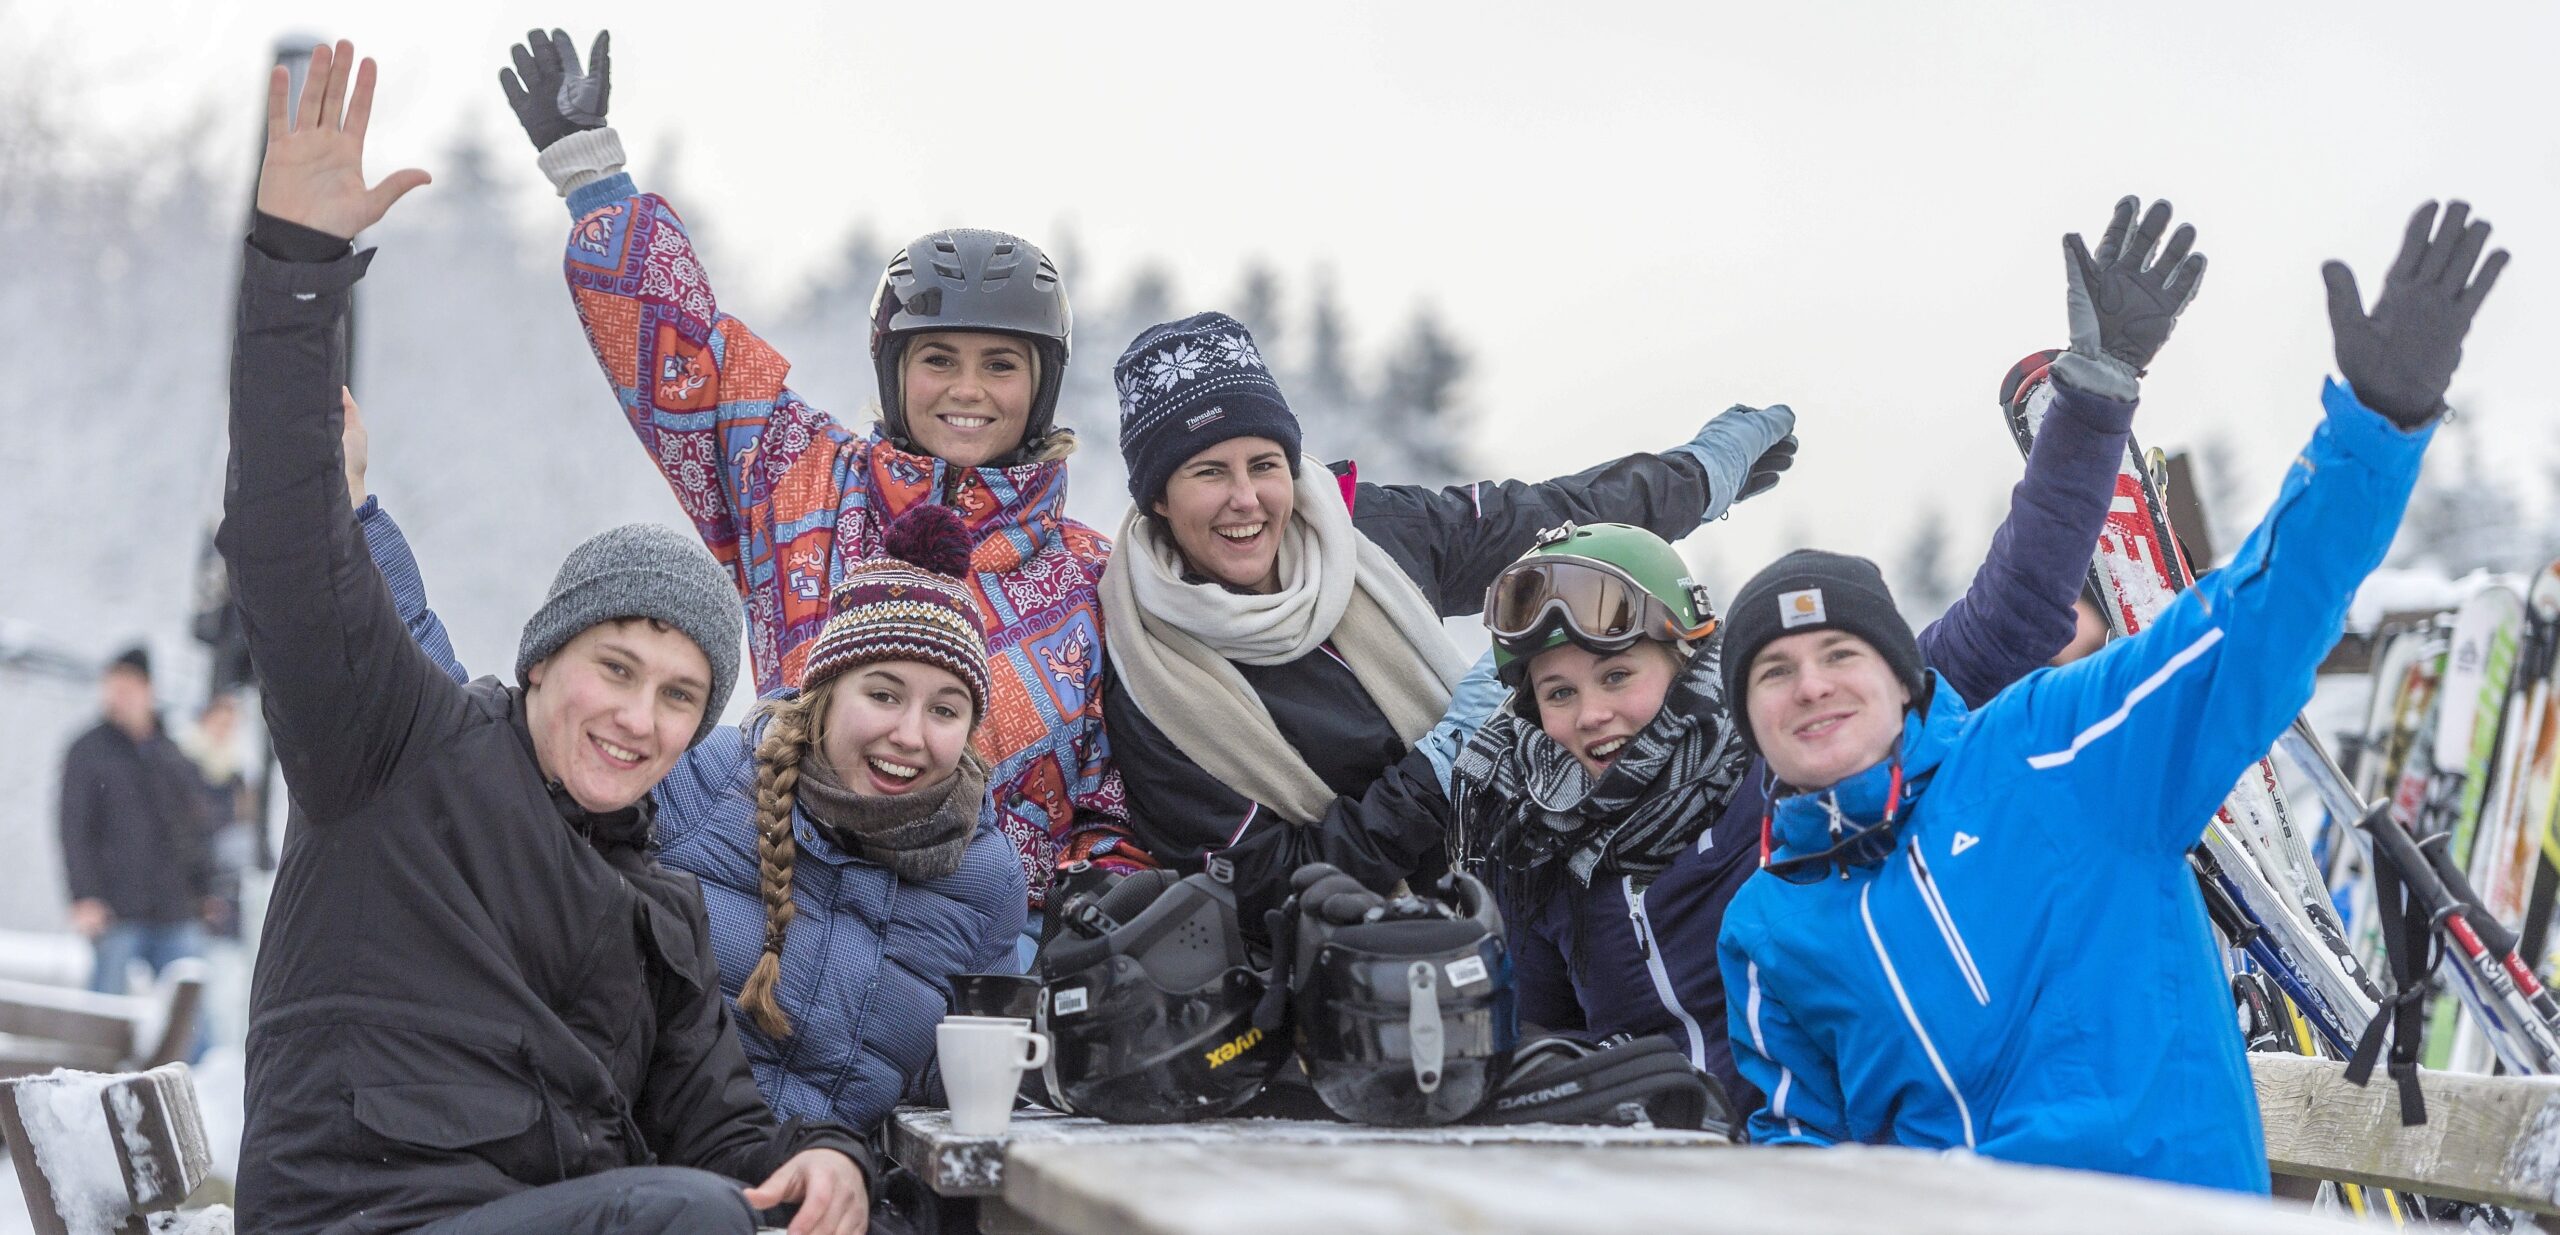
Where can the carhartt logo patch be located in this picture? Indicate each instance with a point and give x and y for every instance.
(1208, 417)
(1800, 608)
(1964, 841)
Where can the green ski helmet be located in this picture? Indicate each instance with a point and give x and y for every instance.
(1602, 585)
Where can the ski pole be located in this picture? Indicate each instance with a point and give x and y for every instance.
(2494, 935)
(2484, 976)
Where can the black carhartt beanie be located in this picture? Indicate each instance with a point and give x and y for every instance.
(1812, 590)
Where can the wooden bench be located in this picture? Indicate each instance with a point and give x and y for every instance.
(2490, 1139)
(109, 1154)
(47, 1027)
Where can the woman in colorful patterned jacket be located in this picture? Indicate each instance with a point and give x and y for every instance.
(837, 836)
(1281, 685)
(969, 338)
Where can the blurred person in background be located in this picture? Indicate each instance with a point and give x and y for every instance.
(134, 851)
(232, 835)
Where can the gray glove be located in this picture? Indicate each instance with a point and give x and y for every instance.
(1743, 450)
(2400, 360)
(2122, 303)
(555, 98)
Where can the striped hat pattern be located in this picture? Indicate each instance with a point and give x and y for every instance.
(908, 604)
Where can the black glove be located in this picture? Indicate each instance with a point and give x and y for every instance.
(555, 99)
(2122, 302)
(2400, 360)
(1765, 469)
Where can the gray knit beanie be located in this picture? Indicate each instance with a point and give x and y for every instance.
(643, 570)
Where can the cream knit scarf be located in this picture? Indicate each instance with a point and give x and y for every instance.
(1175, 643)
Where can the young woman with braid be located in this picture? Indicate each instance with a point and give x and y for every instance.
(850, 809)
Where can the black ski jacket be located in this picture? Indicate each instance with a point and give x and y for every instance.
(1388, 823)
(468, 987)
(134, 832)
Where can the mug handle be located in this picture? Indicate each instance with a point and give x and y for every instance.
(1039, 1054)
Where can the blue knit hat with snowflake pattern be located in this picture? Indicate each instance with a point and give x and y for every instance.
(1186, 386)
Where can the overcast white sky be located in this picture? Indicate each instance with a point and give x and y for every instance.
(1636, 214)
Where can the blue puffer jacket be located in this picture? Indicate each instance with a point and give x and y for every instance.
(1628, 957)
(865, 968)
(2029, 972)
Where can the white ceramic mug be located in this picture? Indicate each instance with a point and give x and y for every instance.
(983, 1059)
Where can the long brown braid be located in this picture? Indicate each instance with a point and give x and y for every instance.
(797, 725)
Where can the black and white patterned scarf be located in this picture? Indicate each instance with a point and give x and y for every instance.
(1526, 808)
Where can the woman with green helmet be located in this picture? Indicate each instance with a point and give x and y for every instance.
(1614, 807)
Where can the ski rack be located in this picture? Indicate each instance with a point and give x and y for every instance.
(2520, 1018)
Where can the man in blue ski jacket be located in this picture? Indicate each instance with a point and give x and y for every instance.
(1614, 872)
(1978, 928)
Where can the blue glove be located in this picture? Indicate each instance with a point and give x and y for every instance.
(1743, 450)
(1478, 694)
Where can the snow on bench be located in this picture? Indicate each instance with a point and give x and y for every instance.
(101, 1154)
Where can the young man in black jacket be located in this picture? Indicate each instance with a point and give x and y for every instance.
(481, 1006)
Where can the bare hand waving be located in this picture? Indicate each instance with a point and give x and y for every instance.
(314, 170)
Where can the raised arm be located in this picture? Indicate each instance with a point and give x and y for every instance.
(390, 549)
(1454, 541)
(705, 395)
(2016, 613)
(2188, 704)
(2122, 303)
(343, 685)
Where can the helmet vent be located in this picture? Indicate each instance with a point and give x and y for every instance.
(1045, 275)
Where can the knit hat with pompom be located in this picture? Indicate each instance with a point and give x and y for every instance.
(910, 603)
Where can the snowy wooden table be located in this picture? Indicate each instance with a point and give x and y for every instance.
(921, 1140)
(1064, 1176)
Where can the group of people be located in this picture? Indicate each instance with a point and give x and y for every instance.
(569, 952)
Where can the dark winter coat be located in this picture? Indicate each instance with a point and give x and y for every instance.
(1624, 956)
(866, 966)
(1389, 821)
(2030, 972)
(134, 827)
(468, 987)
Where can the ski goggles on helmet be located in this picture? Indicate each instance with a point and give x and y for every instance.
(1599, 606)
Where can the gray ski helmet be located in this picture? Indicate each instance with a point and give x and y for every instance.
(971, 279)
